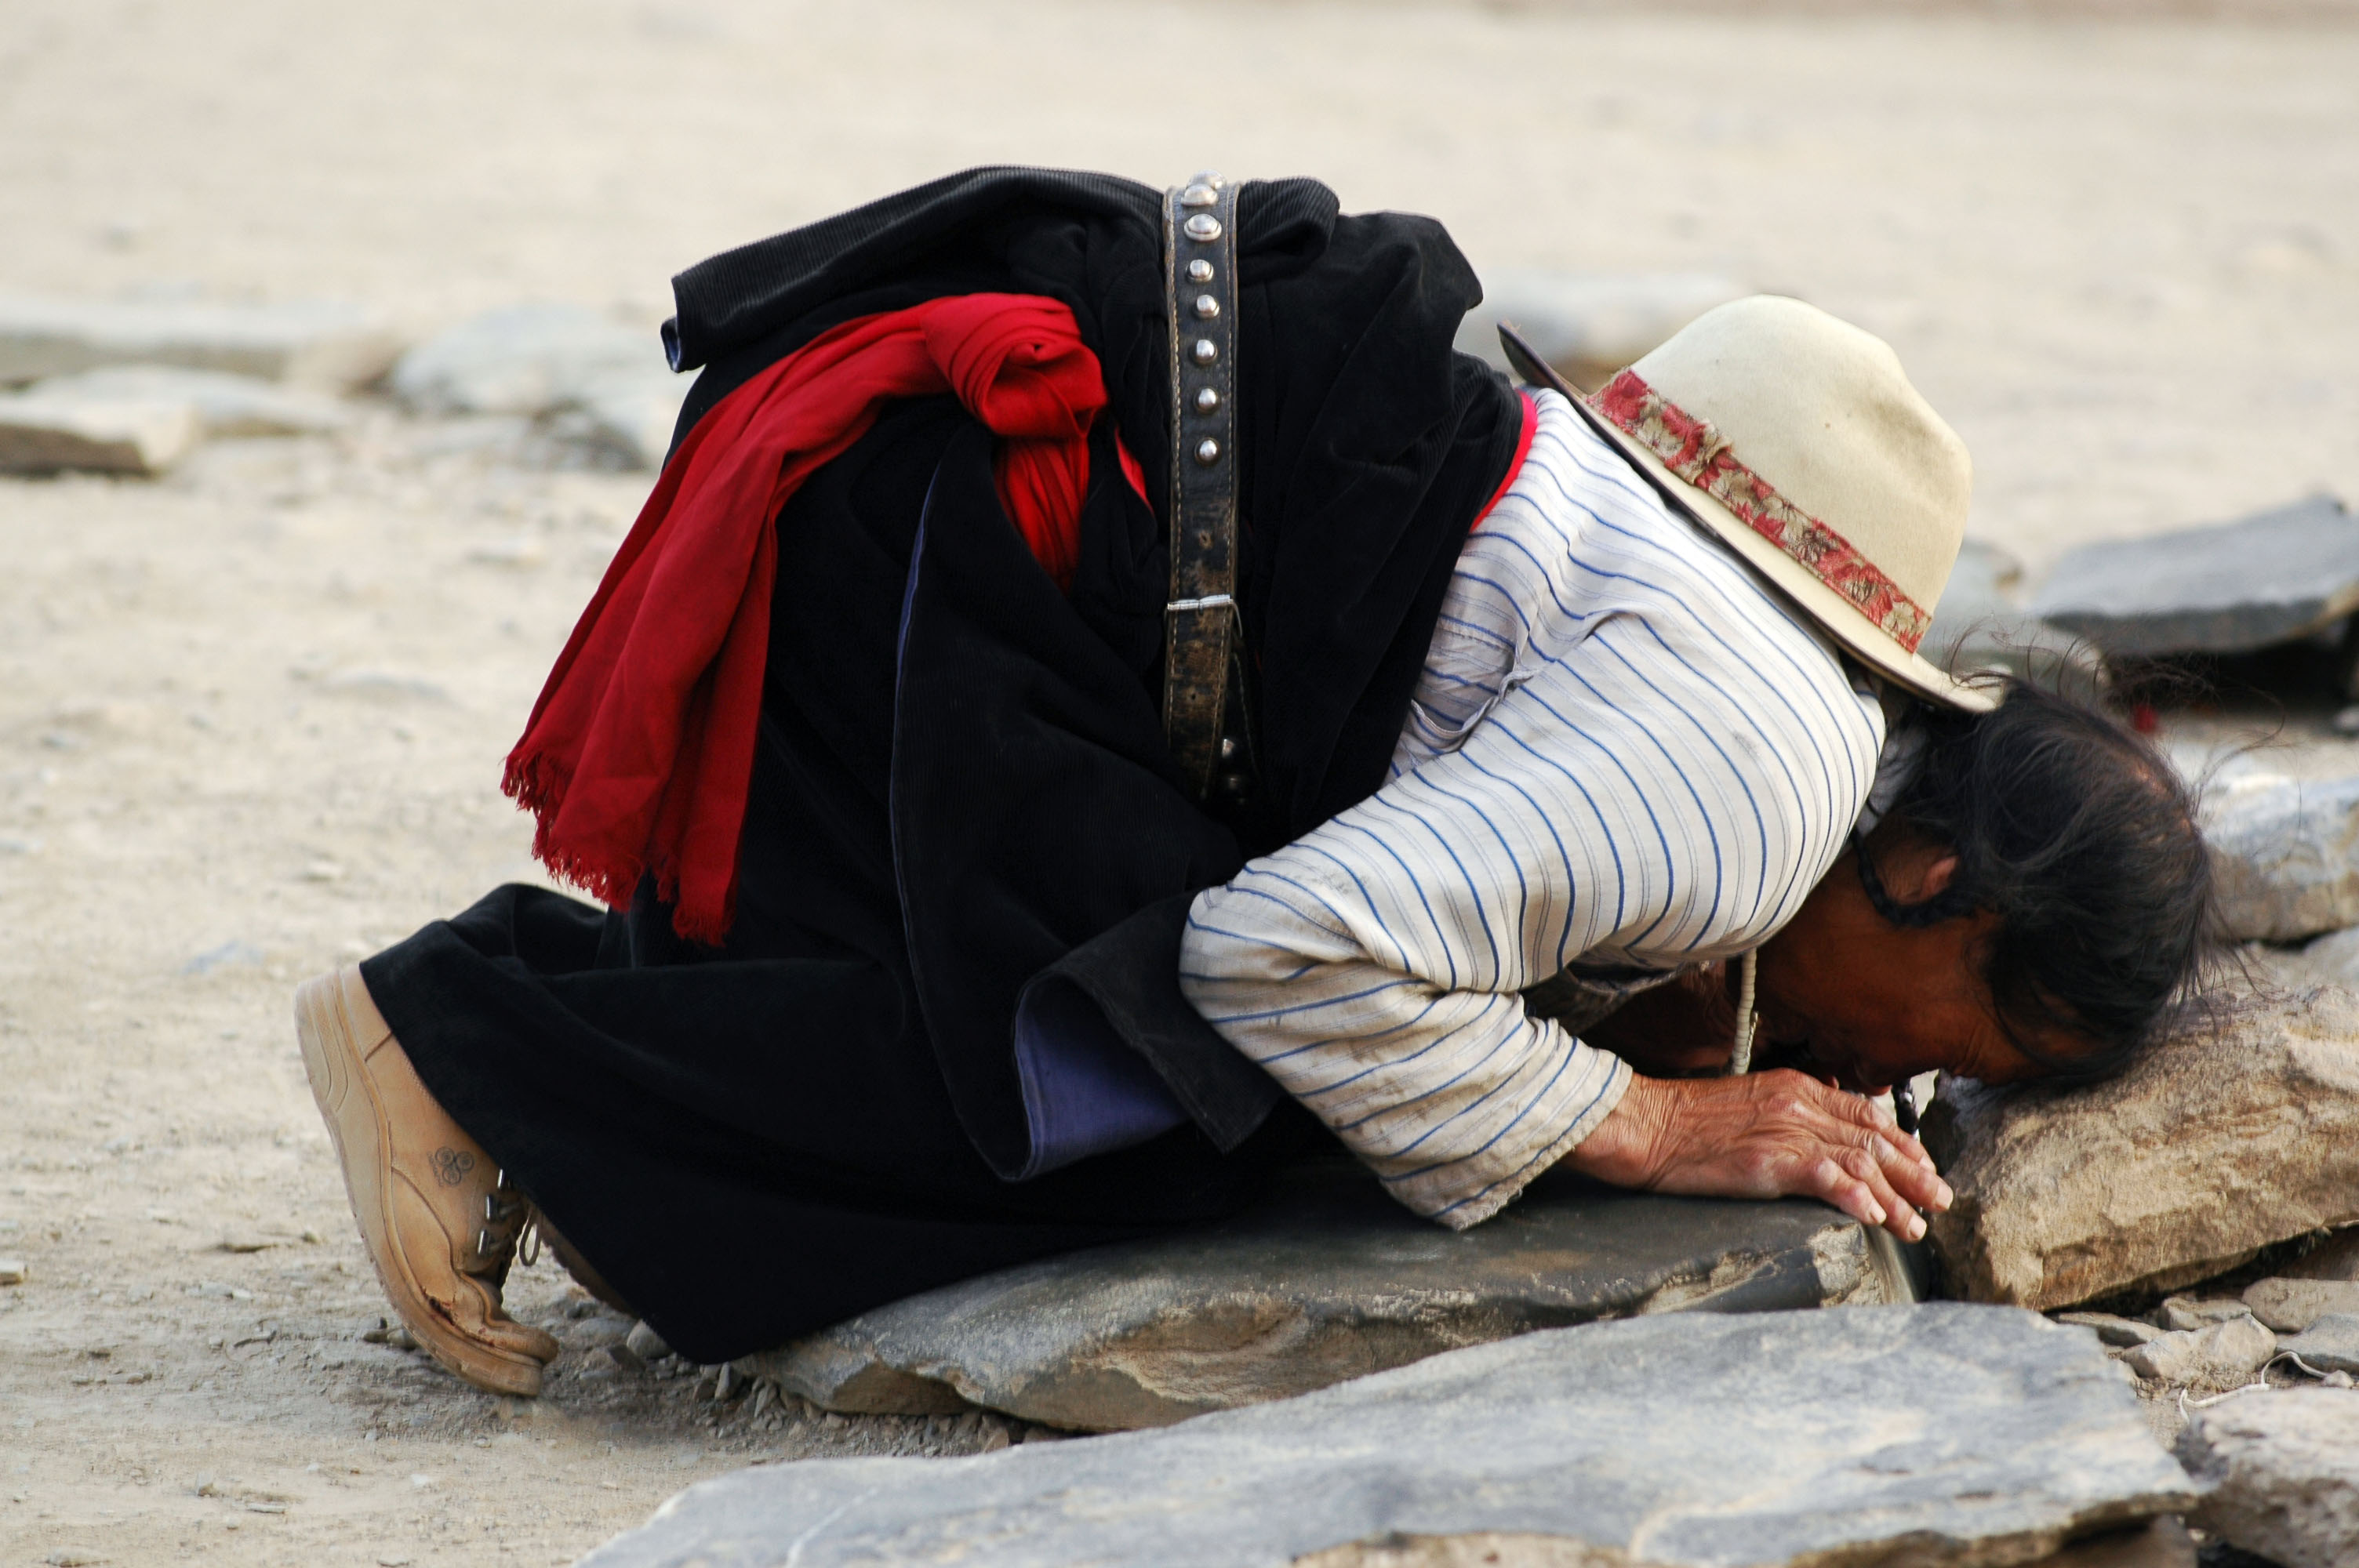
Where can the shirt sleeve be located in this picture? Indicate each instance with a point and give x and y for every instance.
(1662, 792)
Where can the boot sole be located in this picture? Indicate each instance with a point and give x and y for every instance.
(339, 1084)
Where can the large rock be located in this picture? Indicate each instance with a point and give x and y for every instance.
(2213, 1147)
(2282, 1474)
(537, 359)
(2285, 855)
(1931, 1435)
(1588, 325)
(314, 343)
(224, 405)
(54, 433)
(2229, 588)
(1329, 1281)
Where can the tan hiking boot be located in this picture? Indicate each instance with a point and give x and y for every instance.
(441, 1227)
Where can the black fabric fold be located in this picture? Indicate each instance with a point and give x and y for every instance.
(1368, 444)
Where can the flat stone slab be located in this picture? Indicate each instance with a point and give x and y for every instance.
(2211, 1148)
(1329, 1279)
(311, 343)
(224, 405)
(1941, 1434)
(2226, 588)
(2330, 1343)
(2282, 1470)
(2291, 1305)
(56, 433)
(611, 382)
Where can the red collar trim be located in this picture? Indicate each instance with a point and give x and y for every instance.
(1692, 449)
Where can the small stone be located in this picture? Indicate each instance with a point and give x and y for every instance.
(247, 1242)
(322, 871)
(384, 685)
(2291, 1306)
(2228, 588)
(2118, 1332)
(2168, 1358)
(2178, 1312)
(2282, 1476)
(2346, 719)
(391, 1334)
(55, 433)
(2330, 1343)
(2235, 1349)
(644, 1343)
(232, 953)
(2223, 1353)
(522, 553)
(2207, 1150)
(12, 1271)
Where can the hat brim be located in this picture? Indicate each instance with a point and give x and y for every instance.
(1833, 613)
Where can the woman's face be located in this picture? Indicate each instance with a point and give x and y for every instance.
(1844, 994)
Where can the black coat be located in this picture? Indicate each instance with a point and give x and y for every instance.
(961, 787)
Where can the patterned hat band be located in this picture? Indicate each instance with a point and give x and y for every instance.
(1701, 455)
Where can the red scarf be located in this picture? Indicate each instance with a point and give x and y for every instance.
(640, 751)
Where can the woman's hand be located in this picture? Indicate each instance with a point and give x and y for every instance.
(1762, 1136)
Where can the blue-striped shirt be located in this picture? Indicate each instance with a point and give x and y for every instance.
(1625, 748)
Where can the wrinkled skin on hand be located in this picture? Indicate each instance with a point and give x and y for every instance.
(1766, 1135)
(1856, 1004)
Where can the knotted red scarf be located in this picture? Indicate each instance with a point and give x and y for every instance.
(640, 751)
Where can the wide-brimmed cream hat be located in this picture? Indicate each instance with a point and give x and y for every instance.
(1798, 440)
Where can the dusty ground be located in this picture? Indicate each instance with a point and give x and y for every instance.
(251, 717)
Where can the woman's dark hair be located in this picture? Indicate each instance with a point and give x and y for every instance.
(2077, 834)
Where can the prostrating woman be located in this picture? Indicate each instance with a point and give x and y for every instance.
(1102, 700)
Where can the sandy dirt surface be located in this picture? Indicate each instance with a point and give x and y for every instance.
(251, 715)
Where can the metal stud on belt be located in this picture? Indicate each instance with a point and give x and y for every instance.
(1201, 618)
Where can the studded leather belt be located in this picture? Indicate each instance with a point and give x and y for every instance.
(1203, 691)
